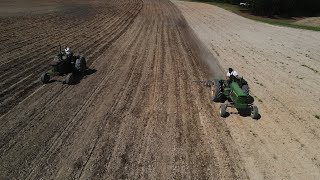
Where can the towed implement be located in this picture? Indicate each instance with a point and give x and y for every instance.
(236, 92)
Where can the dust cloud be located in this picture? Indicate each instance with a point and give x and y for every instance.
(204, 55)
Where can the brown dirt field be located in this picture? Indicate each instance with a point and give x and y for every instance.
(139, 116)
(31, 7)
(282, 67)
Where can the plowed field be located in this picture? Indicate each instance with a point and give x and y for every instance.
(138, 116)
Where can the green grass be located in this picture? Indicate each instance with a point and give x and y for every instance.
(279, 21)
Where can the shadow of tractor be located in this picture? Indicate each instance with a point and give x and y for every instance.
(79, 77)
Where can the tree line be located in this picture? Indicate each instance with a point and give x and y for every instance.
(280, 7)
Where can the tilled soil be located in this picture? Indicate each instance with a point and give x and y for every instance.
(138, 116)
(282, 67)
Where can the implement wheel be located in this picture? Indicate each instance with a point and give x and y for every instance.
(223, 110)
(254, 112)
(208, 83)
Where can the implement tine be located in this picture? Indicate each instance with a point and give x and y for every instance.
(206, 83)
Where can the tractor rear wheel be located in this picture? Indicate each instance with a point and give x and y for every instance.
(255, 112)
(70, 79)
(246, 90)
(216, 91)
(81, 65)
(45, 78)
(223, 110)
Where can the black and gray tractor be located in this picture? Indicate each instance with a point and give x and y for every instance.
(68, 65)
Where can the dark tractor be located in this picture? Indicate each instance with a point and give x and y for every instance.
(68, 65)
(236, 92)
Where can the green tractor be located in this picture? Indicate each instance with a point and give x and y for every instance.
(236, 92)
(66, 64)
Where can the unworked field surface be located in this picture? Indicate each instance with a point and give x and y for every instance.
(313, 21)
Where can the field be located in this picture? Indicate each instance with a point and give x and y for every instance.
(282, 67)
(140, 115)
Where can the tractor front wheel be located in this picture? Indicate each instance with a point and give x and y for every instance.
(70, 79)
(223, 110)
(81, 65)
(45, 78)
(255, 112)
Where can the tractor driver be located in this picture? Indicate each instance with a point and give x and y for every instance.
(68, 52)
(231, 74)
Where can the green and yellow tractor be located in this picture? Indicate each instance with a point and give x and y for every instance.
(236, 91)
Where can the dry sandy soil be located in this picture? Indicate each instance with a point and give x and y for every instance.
(282, 67)
(139, 116)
